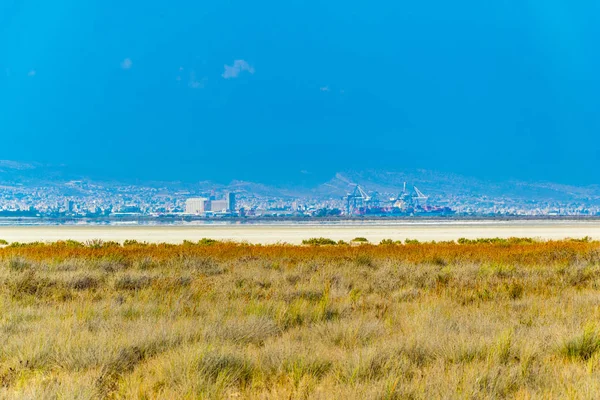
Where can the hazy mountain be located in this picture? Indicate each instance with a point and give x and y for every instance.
(432, 183)
(13, 172)
(453, 185)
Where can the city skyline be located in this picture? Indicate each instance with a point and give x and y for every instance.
(31, 190)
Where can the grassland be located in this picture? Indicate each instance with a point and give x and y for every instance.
(477, 319)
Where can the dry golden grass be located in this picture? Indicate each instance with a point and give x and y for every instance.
(507, 319)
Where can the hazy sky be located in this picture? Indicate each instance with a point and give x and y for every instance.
(286, 91)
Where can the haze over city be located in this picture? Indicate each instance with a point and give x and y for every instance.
(33, 190)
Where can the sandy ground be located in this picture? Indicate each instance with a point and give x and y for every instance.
(294, 234)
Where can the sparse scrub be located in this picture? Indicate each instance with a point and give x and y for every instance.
(490, 318)
(29, 283)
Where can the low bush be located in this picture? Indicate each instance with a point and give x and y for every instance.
(319, 242)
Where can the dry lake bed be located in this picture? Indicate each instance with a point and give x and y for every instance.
(295, 233)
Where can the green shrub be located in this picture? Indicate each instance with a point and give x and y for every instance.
(207, 242)
(129, 243)
(319, 242)
(360, 240)
(502, 241)
(585, 239)
(201, 242)
(73, 243)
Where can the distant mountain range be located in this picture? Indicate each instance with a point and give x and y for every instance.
(453, 185)
(435, 184)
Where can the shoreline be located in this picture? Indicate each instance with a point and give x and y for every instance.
(194, 220)
(295, 233)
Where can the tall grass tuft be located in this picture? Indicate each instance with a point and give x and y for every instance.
(582, 347)
(18, 264)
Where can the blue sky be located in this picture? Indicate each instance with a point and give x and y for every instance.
(293, 91)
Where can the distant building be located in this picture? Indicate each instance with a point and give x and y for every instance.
(218, 205)
(202, 205)
(198, 205)
(231, 202)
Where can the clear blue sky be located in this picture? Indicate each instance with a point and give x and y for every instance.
(140, 89)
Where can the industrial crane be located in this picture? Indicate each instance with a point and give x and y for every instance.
(420, 196)
(406, 200)
(355, 197)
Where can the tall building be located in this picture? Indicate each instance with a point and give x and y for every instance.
(218, 206)
(202, 205)
(198, 205)
(231, 202)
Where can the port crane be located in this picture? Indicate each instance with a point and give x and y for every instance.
(420, 196)
(406, 200)
(358, 197)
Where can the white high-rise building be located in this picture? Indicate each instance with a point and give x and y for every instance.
(218, 205)
(196, 205)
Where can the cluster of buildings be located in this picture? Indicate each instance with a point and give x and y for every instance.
(210, 206)
(81, 199)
